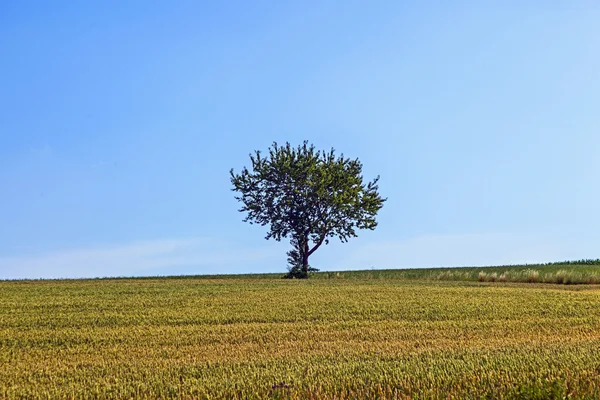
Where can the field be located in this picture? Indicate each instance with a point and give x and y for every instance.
(339, 336)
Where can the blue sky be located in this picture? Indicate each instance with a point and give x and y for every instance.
(119, 122)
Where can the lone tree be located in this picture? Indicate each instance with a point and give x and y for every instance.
(307, 196)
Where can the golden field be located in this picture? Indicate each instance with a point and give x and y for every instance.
(319, 338)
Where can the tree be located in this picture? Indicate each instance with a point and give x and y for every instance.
(307, 196)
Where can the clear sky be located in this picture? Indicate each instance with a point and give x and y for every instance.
(120, 120)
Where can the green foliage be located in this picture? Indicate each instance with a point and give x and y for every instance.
(307, 196)
(577, 262)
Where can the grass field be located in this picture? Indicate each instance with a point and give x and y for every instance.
(369, 336)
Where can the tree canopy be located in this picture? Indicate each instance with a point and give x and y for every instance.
(307, 196)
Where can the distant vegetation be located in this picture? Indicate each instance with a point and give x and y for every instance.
(577, 262)
(563, 272)
(352, 336)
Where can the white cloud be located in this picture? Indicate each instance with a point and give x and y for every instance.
(154, 257)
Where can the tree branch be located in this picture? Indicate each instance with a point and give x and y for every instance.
(319, 243)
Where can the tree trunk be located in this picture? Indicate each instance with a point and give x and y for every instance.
(304, 253)
(305, 264)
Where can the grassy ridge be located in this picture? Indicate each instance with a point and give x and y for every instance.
(569, 272)
(566, 272)
(274, 338)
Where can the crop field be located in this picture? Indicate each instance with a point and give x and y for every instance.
(261, 337)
